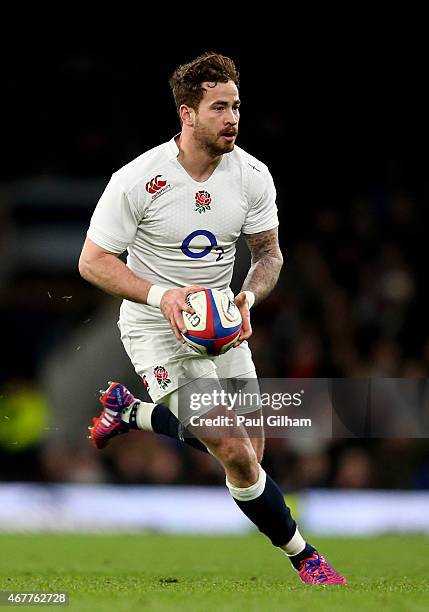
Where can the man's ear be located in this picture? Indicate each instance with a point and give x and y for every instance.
(187, 115)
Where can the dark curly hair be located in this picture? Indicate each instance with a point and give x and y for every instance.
(187, 78)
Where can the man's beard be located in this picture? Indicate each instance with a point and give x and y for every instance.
(212, 144)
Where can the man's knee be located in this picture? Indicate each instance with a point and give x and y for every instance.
(236, 453)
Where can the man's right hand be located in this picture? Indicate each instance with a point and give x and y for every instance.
(172, 304)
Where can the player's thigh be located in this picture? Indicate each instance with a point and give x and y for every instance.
(216, 425)
(237, 373)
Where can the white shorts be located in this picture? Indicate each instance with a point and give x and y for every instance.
(165, 364)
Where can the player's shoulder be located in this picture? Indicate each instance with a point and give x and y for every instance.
(249, 163)
(256, 175)
(144, 167)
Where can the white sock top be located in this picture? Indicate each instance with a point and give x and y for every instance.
(248, 493)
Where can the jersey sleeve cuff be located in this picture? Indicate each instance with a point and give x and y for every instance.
(106, 242)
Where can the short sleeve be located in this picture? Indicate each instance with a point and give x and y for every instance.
(115, 220)
(262, 214)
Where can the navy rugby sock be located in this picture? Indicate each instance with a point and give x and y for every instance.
(164, 422)
(263, 503)
(269, 513)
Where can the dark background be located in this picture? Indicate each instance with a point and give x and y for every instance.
(342, 124)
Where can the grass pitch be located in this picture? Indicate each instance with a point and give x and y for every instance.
(161, 573)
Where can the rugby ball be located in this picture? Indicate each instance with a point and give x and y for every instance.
(214, 326)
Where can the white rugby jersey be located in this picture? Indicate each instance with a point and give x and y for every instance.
(179, 231)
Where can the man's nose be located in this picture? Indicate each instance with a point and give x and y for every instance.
(231, 117)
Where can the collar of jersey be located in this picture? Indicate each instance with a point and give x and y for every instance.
(174, 150)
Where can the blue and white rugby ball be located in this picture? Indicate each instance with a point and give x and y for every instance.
(215, 325)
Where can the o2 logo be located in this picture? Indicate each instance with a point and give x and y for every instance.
(208, 249)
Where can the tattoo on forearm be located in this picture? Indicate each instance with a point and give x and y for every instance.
(267, 261)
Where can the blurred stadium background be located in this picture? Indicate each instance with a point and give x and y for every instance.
(348, 152)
